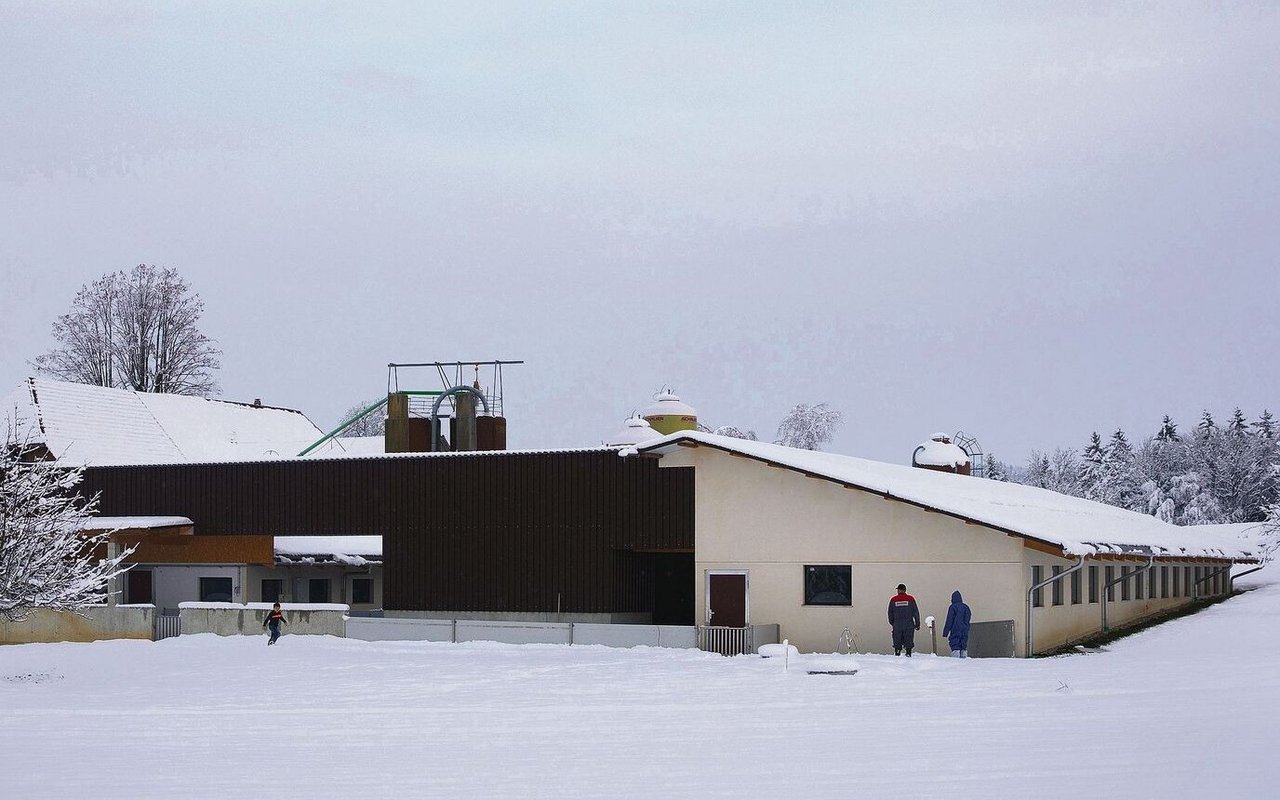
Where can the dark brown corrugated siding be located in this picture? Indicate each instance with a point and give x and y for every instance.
(492, 532)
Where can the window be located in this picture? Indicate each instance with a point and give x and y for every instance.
(1137, 582)
(272, 590)
(319, 590)
(1124, 583)
(1076, 582)
(1164, 581)
(1037, 597)
(828, 585)
(215, 590)
(1093, 584)
(1186, 581)
(1177, 590)
(1057, 587)
(362, 590)
(1109, 575)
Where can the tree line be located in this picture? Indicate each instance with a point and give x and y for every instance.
(1215, 473)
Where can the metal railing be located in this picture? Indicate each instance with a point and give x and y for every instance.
(167, 625)
(725, 641)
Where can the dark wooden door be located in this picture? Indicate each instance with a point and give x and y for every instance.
(727, 601)
(139, 590)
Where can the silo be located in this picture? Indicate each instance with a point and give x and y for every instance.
(668, 414)
(940, 454)
(635, 431)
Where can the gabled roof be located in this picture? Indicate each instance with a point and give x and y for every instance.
(97, 426)
(1077, 526)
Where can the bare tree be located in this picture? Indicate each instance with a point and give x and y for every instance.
(374, 424)
(45, 559)
(134, 330)
(808, 427)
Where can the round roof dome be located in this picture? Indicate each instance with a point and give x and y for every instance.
(635, 431)
(937, 452)
(668, 404)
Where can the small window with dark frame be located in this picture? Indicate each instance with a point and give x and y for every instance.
(1076, 588)
(362, 590)
(1109, 575)
(1124, 583)
(215, 590)
(318, 590)
(1093, 584)
(1138, 573)
(1177, 583)
(1057, 587)
(1164, 582)
(1037, 597)
(272, 590)
(828, 585)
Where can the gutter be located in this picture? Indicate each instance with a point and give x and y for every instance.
(1031, 593)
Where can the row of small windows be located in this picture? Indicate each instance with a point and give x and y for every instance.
(218, 590)
(1132, 583)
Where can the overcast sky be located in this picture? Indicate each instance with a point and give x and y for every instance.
(1026, 222)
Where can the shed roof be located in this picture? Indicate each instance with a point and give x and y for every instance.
(1077, 526)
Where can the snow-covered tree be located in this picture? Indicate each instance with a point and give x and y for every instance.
(374, 424)
(134, 330)
(1059, 472)
(997, 470)
(1238, 426)
(735, 433)
(1206, 426)
(45, 560)
(1168, 430)
(1265, 426)
(808, 427)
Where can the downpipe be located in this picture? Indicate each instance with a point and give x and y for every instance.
(1107, 588)
(1031, 593)
(1195, 587)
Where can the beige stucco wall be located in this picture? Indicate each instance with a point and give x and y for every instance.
(772, 522)
(94, 623)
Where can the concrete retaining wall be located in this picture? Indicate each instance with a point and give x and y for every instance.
(234, 619)
(94, 623)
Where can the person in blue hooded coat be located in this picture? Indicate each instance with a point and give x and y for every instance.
(956, 628)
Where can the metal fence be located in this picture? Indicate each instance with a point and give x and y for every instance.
(167, 625)
(725, 641)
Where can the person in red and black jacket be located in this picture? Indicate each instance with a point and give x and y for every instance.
(904, 618)
(275, 618)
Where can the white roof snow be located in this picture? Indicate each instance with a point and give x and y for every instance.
(353, 550)
(97, 426)
(122, 523)
(635, 431)
(1079, 527)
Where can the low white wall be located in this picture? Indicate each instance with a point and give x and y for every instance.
(234, 619)
(374, 629)
(92, 624)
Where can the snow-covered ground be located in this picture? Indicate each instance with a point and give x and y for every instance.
(1187, 709)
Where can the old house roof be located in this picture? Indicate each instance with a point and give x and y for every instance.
(1077, 526)
(97, 426)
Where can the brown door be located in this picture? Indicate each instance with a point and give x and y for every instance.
(727, 600)
(139, 586)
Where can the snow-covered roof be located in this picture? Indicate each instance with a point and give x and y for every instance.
(934, 453)
(668, 404)
(1078, 526)
(352, 550)
(97, 426)
(122, 523)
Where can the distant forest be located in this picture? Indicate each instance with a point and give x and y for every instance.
(1212, 474)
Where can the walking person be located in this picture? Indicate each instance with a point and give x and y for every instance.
(956, 629)
(904, 618)
(275, 618)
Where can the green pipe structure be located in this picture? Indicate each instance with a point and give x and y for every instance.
(366, 412)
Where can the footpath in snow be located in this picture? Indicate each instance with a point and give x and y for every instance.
(1186, 709)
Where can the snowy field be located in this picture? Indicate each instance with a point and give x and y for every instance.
(1187, 709)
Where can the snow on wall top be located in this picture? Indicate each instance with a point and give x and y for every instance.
(97, 426)
(940, 454)
(1078, 526)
